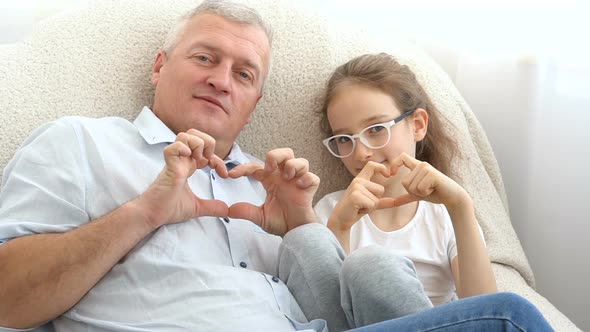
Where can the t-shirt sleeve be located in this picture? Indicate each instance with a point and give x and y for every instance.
(43, 186)
(324, 207)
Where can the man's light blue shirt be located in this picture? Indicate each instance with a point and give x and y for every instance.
(205, 274)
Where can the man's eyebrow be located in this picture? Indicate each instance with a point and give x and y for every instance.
(246, 62)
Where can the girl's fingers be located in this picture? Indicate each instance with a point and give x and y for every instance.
(372, 168)
(403, 159)
(412, 180)
(374, 188)
(426, 185)
(386, 203)
(405, 199)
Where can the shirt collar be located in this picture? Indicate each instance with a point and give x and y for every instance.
(154, 131)
(236, 157)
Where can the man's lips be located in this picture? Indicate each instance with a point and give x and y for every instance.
(213, 101)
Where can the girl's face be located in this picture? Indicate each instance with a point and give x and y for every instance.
(355, 107)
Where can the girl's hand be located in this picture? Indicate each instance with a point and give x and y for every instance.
(425, 182)
(362, 197)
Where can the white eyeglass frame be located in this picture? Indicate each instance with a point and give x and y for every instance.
(353, 138)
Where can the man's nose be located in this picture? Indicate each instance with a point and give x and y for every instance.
(220, 78)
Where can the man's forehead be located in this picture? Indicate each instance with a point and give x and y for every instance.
(210, 31)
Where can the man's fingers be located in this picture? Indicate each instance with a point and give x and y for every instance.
(276, 157)
(247, 211)
(211, 207)
(294, 168)
(250, 169)
(208, 142)
(219, 165)
(308, 180)
(177, 149)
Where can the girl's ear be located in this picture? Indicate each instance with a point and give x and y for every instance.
(419, 123)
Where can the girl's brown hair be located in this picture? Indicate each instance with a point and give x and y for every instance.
(383, 72)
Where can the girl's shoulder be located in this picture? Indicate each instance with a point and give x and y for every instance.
(331, 199)
(324, 206)
(436, 215)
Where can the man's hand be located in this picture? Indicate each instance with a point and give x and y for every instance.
(290, 187)
(169, 199)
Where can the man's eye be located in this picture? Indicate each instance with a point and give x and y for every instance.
(244, 75)
(202, 58)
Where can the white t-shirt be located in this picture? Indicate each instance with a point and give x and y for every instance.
(428, 240)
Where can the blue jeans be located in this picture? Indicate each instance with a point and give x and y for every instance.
(491, 312)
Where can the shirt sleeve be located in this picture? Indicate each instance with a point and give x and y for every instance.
(43, 186)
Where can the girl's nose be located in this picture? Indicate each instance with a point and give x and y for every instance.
(361, 151)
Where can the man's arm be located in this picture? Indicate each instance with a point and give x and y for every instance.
(45, 275)
(42, 276)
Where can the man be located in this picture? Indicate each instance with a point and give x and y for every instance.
(90, 241)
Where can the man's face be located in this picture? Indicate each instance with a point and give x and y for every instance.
(212, 79)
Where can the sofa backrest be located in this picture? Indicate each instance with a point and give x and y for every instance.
(96, 62)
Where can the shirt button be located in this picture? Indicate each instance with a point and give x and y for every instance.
(243, 264)
(275, 279)
(213, 176)
(226, 219)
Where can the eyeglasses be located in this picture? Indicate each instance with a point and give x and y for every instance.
(373, 137)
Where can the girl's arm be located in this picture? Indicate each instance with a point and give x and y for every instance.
(361, 197)
(471, 267)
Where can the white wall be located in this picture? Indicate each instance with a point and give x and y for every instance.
(539, 132)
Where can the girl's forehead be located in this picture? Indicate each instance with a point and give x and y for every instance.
(358, 106)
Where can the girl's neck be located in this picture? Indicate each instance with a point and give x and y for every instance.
(392, 219)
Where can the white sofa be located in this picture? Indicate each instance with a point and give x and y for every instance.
(96, 62)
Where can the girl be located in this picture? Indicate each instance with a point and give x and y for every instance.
(389, 135)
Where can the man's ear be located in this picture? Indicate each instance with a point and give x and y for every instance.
(257, 100)
(419, 122)
(158, 64)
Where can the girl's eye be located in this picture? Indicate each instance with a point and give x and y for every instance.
(342, 139)
(375, 129)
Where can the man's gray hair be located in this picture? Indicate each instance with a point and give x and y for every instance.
(232, 11)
